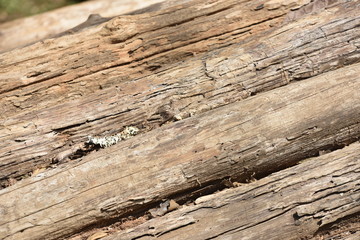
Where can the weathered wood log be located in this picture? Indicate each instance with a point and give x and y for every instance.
(257, 136)
(35, 28)
(156, 68)
(291, 204)
(40, 115)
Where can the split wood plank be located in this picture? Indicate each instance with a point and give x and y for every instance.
(259, 135)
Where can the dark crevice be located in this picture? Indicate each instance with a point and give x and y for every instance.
(265, 171)
(54, 75)
(62, 129)
(349, 224)
(83, 152)
(36, 74)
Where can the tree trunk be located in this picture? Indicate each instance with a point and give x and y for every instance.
(195, 79)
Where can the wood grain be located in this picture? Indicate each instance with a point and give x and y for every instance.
(259, 135)
(47, 115)
(219, 90)
(290, 204)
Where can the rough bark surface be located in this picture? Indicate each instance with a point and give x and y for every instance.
(258, 135)
(101, 89)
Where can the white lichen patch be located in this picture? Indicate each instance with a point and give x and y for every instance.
(108, 141)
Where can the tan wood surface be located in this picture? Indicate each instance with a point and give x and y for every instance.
(74, 90)
(291, 204)
(259, 135)
(221, 91)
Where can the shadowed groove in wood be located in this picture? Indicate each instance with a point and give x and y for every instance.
(338, 228)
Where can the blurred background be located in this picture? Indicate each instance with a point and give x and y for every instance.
(12, 9)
